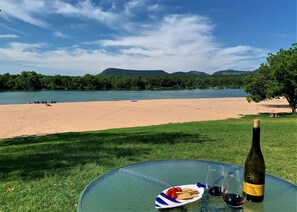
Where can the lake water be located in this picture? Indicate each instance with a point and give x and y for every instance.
(16, 97)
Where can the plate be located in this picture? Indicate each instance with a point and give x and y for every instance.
(167, 202)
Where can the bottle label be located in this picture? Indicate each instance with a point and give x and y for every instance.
(253, 189)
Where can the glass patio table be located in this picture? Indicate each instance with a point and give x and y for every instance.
(135, 188)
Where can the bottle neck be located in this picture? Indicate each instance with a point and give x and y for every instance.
(256, 137)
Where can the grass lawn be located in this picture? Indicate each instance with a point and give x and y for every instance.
(47, 173)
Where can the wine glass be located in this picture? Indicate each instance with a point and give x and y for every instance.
(215, 180)
(233, 195)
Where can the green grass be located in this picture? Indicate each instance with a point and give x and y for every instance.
(47, 173)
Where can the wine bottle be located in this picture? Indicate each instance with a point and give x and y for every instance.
(254, 169)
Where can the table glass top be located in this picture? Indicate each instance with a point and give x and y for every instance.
(135, 187)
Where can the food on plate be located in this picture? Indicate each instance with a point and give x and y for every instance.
(181, 194)
(184, 196)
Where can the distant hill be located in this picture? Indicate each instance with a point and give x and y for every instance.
(230, 72)
(111, 72)
(190, 73)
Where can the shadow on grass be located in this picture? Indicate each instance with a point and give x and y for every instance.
(278, 106)
(35, 157)
(276, 114)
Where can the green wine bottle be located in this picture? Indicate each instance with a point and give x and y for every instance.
(254, 169)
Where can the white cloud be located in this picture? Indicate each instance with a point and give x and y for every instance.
(186, 43)
(177, 43)
(22, 52)
(35, 11)
(175, 35)
(173, 43)
(85, 9)
(25, 10)
(154, 7)
(133, 5)
(8, 36)
(234, 50)
(60, 35)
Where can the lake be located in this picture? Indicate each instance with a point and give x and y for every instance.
(21, 97)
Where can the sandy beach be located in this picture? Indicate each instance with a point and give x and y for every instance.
(37, 119)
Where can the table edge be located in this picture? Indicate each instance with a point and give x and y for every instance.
(87, 187)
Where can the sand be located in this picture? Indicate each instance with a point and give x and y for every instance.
(38, 119)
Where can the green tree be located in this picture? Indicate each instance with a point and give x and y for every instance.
(4, 81)
(28, 80)
(88, 82)
(276, 78)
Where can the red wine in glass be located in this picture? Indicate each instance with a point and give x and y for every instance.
(215, 179)
(234, 200)
(233, 195)
(216, 190)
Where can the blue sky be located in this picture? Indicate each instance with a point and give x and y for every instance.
(75, 37)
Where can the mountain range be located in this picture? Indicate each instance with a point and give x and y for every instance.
(112, 72)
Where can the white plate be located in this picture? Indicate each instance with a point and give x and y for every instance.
(166, 202)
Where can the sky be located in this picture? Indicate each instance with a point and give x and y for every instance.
(78, 37)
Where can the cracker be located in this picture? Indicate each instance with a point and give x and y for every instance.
(193, 192)
(184, 196)
(186, 189)
(181, 192)
(187, 193)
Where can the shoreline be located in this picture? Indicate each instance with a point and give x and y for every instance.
(39, 119)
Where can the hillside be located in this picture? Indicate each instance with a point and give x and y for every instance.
(111, 72)
(230, 72)
(190, 73)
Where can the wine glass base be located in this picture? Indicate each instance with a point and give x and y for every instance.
(234, 206)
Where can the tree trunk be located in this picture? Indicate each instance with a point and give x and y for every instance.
(293, 108)
(293, 104)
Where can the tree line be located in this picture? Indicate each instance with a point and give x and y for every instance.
(30, 80)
